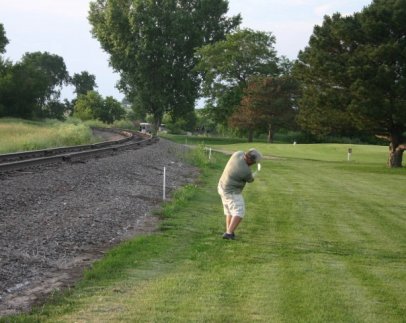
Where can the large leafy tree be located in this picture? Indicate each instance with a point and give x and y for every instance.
(31, 87)
(87, 104)
(92, 106)
(83, 82)
(227, 66)
(152, 43)
(51, 73)
(110, 111)
(4, 67)
(353, 74)
(268, 103)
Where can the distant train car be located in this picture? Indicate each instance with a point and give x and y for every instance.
(145, 127)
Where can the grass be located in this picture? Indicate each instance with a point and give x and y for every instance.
(21, 135)
(323, 241)
(196, 140)
(318, 152)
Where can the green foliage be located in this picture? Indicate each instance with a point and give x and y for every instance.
(86, 104)
(119, 124)
(124, 124)
(83, 82)
(71, 134)
(56, 110)
(352, 74)
(53, 72)
(227, 65)
(30, 88)
(152, 45)
(3, 39)
(202, 140)
(110, 111)
(182, 124)
(268, 104)
(199, 156)
(93, 106)
(204, 122)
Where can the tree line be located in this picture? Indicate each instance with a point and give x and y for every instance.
(348, 81)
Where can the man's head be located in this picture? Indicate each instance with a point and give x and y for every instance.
(252, 156)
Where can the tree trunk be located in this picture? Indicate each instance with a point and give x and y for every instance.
(396, 151)
(396, 155)
(250, 135)
(156, 124)
(270, 134)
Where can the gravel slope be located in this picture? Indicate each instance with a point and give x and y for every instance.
(56, 220)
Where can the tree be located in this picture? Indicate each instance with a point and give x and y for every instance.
(268, 102)
(110, 111)
(152, 44)
(83, 82)
(4, 68)
(92, 106)
(86, 104)
(31, 88)
(18, 93)
(3, 39)
(353, 75)
(30, 84)
(52, 73)
(226, 67)
(55, 109)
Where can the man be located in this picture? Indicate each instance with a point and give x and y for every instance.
(235, 175)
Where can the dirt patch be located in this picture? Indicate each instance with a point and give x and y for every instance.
(56, 220)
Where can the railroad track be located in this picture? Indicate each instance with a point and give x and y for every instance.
(129, 140)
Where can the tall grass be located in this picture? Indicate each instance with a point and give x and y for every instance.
(322, 241)
(21, 135)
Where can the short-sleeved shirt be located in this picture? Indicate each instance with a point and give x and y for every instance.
(236, 174)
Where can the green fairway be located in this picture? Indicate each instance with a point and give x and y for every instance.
(323, 241)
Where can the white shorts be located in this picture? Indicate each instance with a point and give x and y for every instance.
(233, 204)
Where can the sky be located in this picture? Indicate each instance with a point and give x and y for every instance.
(61, 27)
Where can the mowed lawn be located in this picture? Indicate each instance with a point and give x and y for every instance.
(324, 240)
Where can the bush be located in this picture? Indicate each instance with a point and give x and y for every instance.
(71, 134)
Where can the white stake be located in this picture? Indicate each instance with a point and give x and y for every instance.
(210, 153)
(163, 195)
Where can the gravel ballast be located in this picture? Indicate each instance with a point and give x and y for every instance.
(56, 220)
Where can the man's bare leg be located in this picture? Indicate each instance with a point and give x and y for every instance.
(228, 221)
(235, 221)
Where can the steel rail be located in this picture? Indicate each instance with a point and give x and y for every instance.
(132, 140)
(61, 150)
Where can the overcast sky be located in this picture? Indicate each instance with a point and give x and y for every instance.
(61, 27)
